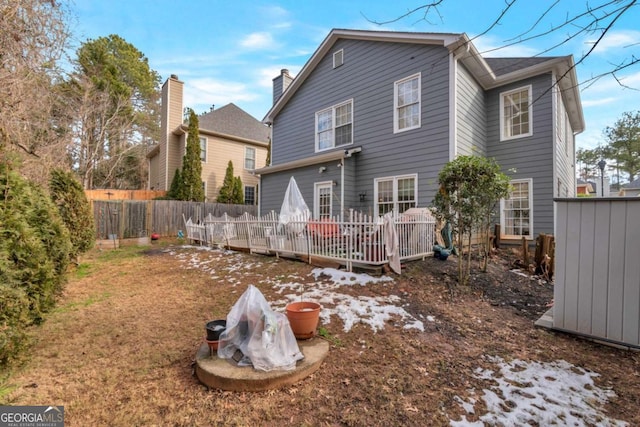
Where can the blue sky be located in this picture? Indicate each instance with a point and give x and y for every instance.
(229, 51)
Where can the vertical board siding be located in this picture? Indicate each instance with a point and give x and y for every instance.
(597, 289)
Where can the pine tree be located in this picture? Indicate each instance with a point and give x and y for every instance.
(226, 192)
(191, 163)
(175, 191)
(238, 191)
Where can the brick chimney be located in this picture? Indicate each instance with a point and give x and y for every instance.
(280, 84)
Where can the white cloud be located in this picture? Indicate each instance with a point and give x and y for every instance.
(615, 41)
(208, 91)
(491, 47)
(259, 40)
(598, 102)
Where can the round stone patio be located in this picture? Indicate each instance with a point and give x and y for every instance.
(226, 375)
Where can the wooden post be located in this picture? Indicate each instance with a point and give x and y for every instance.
(525, 252)
(496, 232)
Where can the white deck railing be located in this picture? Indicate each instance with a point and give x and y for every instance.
(359, 239)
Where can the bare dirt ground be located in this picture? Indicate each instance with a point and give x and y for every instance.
(119, 348)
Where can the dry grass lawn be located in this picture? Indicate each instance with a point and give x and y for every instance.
(119, 349)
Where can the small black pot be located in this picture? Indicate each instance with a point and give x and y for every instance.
(215, 328)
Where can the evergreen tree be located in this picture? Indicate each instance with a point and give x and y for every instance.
(226, 192)
(69, 197)
(191, 164)
(238, 191)
(175, 191)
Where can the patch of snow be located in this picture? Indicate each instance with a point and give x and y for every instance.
(321, 286)
(538, 393)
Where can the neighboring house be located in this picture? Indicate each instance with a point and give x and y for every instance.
(631, 189)
(584, 188)
(373, 117)
(228, 133)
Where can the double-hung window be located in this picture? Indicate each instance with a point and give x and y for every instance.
(249, 158)
(516, 213)
(203, 149)
(406, 103)
(515, 113)
(334, 126)
(397, 193)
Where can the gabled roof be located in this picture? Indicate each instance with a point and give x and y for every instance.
(232, 120)
(489, 72)
(633, 184)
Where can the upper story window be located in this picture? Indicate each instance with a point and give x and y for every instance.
(515, 113)
(338, 58)
(249, 158)
(334, 126)
(203, 148)
(406, 103)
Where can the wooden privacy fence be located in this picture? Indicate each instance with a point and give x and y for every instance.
(359, 239)
(111, 194)
(124, 219)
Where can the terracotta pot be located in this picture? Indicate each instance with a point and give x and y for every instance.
(303, 318)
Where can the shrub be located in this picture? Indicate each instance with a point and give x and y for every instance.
(35, 247)
(74, 208)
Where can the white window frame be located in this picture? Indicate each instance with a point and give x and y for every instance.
(503, 96)
(332, 127)
(338, 58)
(254, 194)
(397, 106)
(203, 148)
(317, 187)
(247, 150)
(503, 227)
(396, 202)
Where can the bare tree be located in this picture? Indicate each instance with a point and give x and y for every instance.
(33, 36)
(594, 19)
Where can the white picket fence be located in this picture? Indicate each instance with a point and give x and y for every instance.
(358, 239)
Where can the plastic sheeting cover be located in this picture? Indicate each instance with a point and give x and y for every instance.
(263, 336)
(293, 205)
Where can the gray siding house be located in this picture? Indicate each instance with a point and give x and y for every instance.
(373, 116)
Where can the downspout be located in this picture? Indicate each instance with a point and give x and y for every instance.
(342, 162)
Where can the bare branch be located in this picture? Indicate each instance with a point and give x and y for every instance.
(427, 8)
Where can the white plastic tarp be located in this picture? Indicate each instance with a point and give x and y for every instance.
(294, 207)
(263, 337)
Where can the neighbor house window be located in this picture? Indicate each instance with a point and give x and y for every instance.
(322, 198)
(249, 195)
(406, 103)
(516, 113)
(249, 158)
(396, 193)
(203, 149)
(516, 213)
(334, 126)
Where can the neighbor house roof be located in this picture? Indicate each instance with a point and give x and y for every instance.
(232, 120)
(633, 184)
(489, 72)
